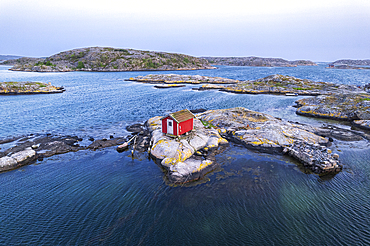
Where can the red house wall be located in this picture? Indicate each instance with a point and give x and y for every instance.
(185, 126)
(164, 125)
(175, 128)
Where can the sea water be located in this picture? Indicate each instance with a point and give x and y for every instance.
(104, 197)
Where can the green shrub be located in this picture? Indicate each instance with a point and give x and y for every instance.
(80, 65)
(300, 88)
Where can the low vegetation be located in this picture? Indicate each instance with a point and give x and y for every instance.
(110, 59)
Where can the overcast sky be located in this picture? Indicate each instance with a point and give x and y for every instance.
(318, 30)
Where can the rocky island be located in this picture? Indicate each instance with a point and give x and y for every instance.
(181, 79)
(253, 61)
(106, 59)
(273, 84)
(349, 107)
(22, 88)
(281, 84)
(350, 64)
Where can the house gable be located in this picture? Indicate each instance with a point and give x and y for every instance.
(182, 122)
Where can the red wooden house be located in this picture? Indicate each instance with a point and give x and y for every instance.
(178, 123)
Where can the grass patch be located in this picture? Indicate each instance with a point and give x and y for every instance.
(300, 88)
(365, 99)
(207, 124)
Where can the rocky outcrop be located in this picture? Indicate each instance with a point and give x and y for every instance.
(262, 132)
(363, 124)
(181, 79)
(350, 62)
(18, 88)
(168, 86)
(17, 159)
(332, 66)
(185, 158)
(105, 59)
(285, 85)
(27, 149)
(257, 62)
(318, 159)
(349, 107)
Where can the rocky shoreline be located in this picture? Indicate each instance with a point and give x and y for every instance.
(190, 157)
(27, 149)
(27, 88)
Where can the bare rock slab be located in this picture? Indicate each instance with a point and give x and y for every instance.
(265, 133)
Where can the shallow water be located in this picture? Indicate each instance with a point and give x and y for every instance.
(105, 197)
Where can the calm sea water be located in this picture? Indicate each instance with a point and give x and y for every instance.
(105, 197)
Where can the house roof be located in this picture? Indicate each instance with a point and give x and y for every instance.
(182, 115)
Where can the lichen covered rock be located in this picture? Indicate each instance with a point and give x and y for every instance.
(266, 133)
(176, 155)
(354, 106)
(7, 88)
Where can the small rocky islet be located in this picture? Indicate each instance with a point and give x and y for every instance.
(350, 64)
(353, 107)
(22, 88)
(181, 79)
